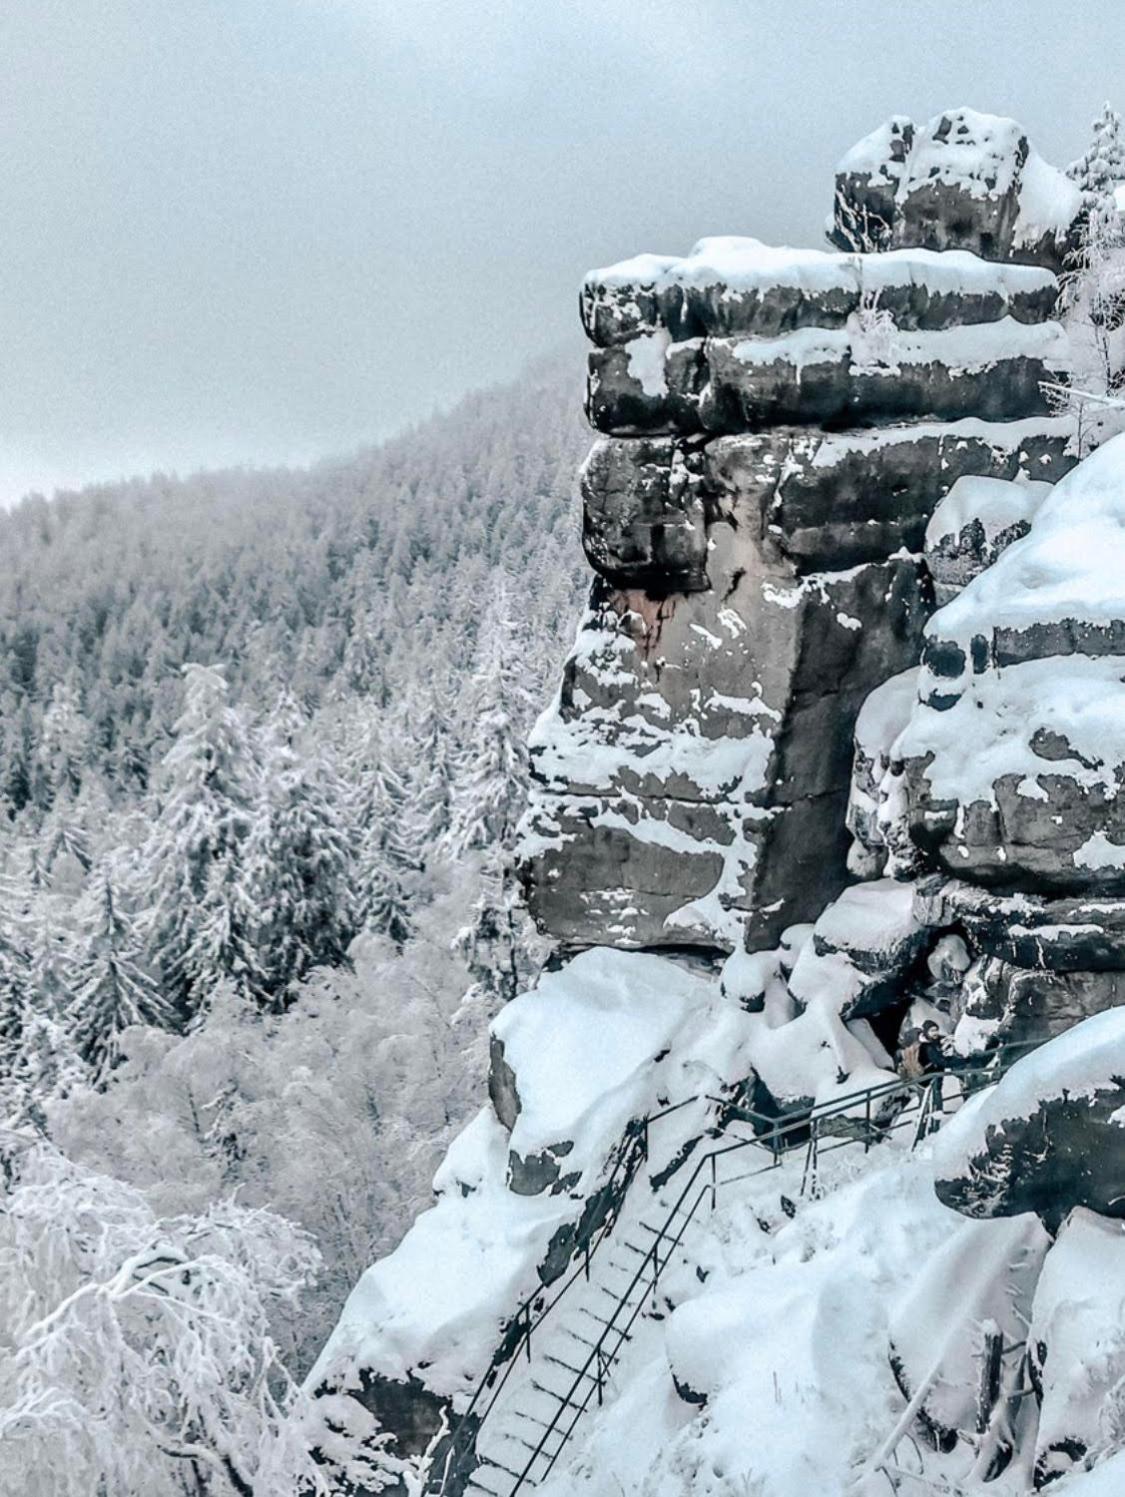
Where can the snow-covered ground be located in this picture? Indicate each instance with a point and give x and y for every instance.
(784, 1324)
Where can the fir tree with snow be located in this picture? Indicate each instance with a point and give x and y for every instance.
(302, 865)
(195, 869)
(112, 988)
(493, 785)
(1101, 168)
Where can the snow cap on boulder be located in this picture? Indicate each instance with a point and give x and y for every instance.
(963, 180)
(1049, 1136)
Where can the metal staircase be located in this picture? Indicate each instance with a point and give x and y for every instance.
(563, 1345)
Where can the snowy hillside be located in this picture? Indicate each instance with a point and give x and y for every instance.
(254, 911)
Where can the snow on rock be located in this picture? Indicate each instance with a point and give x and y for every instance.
(963, 180)
(1077, 1346)
(1009, 770)
(759, 575)
(977, 519)
(861, 949)
(729, 285)
(697, 741)
(583, 1048)
(1018, 781)
(979, 1282)
(783, 1339)
(1049, 1136)
(816, 375)
(434, 1309)
(882, 718)
(1055, 592)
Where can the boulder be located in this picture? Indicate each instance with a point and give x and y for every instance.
(963, 180)
(862, 947)
(611, 1018)
(978, 519)
(1076, 1349)
(1049, 1136)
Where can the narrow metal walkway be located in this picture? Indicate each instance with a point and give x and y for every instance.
(563, 1345)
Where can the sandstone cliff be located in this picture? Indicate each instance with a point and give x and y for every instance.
(783, 813)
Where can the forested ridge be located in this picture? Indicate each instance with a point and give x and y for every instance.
(355, 577)
(261, 761)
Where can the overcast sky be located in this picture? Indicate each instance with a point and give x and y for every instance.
(264, 230)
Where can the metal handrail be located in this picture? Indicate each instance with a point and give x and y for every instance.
(630, 1154)
(599, 1357)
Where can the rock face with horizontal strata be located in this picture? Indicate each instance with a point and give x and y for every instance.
(1005, 786)
(778, 427)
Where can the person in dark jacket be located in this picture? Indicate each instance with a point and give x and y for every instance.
(923, 1053)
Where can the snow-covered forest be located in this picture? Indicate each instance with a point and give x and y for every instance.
(262, 759)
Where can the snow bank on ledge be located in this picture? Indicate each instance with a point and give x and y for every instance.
(989, 732)
(976, 345)
(997, 503)
(1069, 566)
(583, 1045)
(434, 1308)
(745, 264)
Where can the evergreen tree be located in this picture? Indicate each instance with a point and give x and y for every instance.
(112, 987)
(303, 864)
(500, 946)
(388, 863)
(1102, 167)
(63, 745)
(493, 784)
(15, 1006)
(432, 780)
(202, 914)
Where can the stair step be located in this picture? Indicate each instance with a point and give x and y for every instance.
(582, 1310)
(474, 1484)
(582, 1340)
(577, 1371)
(622, 1299)
(612, 1266)
(553, 1427)
(487, 1460)
(567, 1402)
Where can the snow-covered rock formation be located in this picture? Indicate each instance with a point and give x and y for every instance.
(780, 426)
(781, 817)
(1002, 787)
